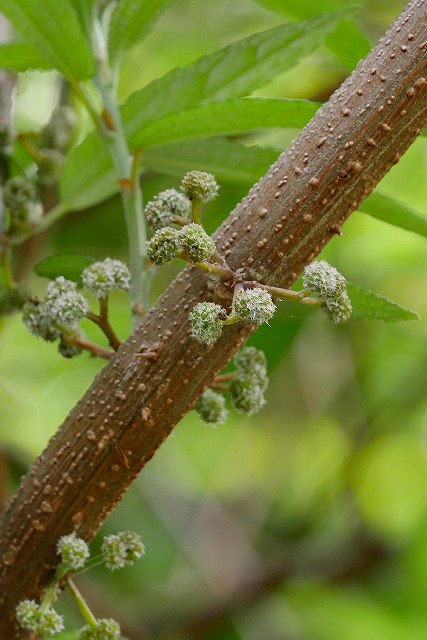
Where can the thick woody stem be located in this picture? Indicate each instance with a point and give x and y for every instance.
(157, 375)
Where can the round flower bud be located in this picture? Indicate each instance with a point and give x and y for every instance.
(106, 629)
(199, 185)
(102, 277)
(73, 551)
(50, 166)
(323, 279)
(254, 305)
(64, 304)
(27, 614)
(252, 362)
(68, 351)
(164, 245)
(39, 322)
(206, 322)
(166, 204)
(196, 242)
(247, 396)
(20, 198)
(50, 623)
(211, 408)
(338, 309)
(57, 133)
(122, 549)
(46, 623)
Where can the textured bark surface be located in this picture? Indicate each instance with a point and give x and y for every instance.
(157, 375)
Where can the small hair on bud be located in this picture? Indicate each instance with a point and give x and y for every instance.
(121, 550)
(109, 275)
(321, 278)
(63, 304)
(206, 322)
(254, 305)
(106, 629)
(73, 551)
(164, 246)
(211, 408)
(196, 242)
(199, 185)
(166, 204)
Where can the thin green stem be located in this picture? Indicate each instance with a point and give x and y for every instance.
(285, 294)
(196, 210)
(82, 605)
(127, 174)
(231, 320)
(103, 322)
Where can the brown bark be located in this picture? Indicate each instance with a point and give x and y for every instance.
(157, 375)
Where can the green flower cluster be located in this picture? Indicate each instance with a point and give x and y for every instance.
(167, 243)
(73, 551)
(22, 205)
(330, 285)
(100, 278)
(166, 204)
(45, 623)
(254, 305)
(206, 321)
(199, 185)
(248, 387)
(122, 550)
(211, 408)
(106, 629)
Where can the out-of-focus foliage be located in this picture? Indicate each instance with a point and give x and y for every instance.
(309, 520)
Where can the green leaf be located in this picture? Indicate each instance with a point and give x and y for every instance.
(20, 56)
(383, 207)
(82, 188)
(52, 27)
(370, 305)
(86, 12)
(235, 71)
(69, 265)
(347, 41)
(228, 160)
(228, 117)
(130, 21)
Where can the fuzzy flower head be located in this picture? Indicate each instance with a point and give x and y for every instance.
(109, 275)
(166, 204)
(39, 322)
(64, 304)
(122, 549)
(164, 246)
(323, 279)
(252, 362)
(21, 201)
(254, 305)
(58, 132)
(211, 408)
(247, 395)
(196, 242)
(73, 551)
(68, 351)
(30, 617)
(199, 185)
(50, 166)
(206, 322)
(106, 629)
(338, 309)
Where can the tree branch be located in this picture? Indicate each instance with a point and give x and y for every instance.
(157, 375)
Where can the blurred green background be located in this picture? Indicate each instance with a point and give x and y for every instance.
(309, 520)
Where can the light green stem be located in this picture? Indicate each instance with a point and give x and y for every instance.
(196, 210)
(115, 139)
(82, 605)
(5, 262)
